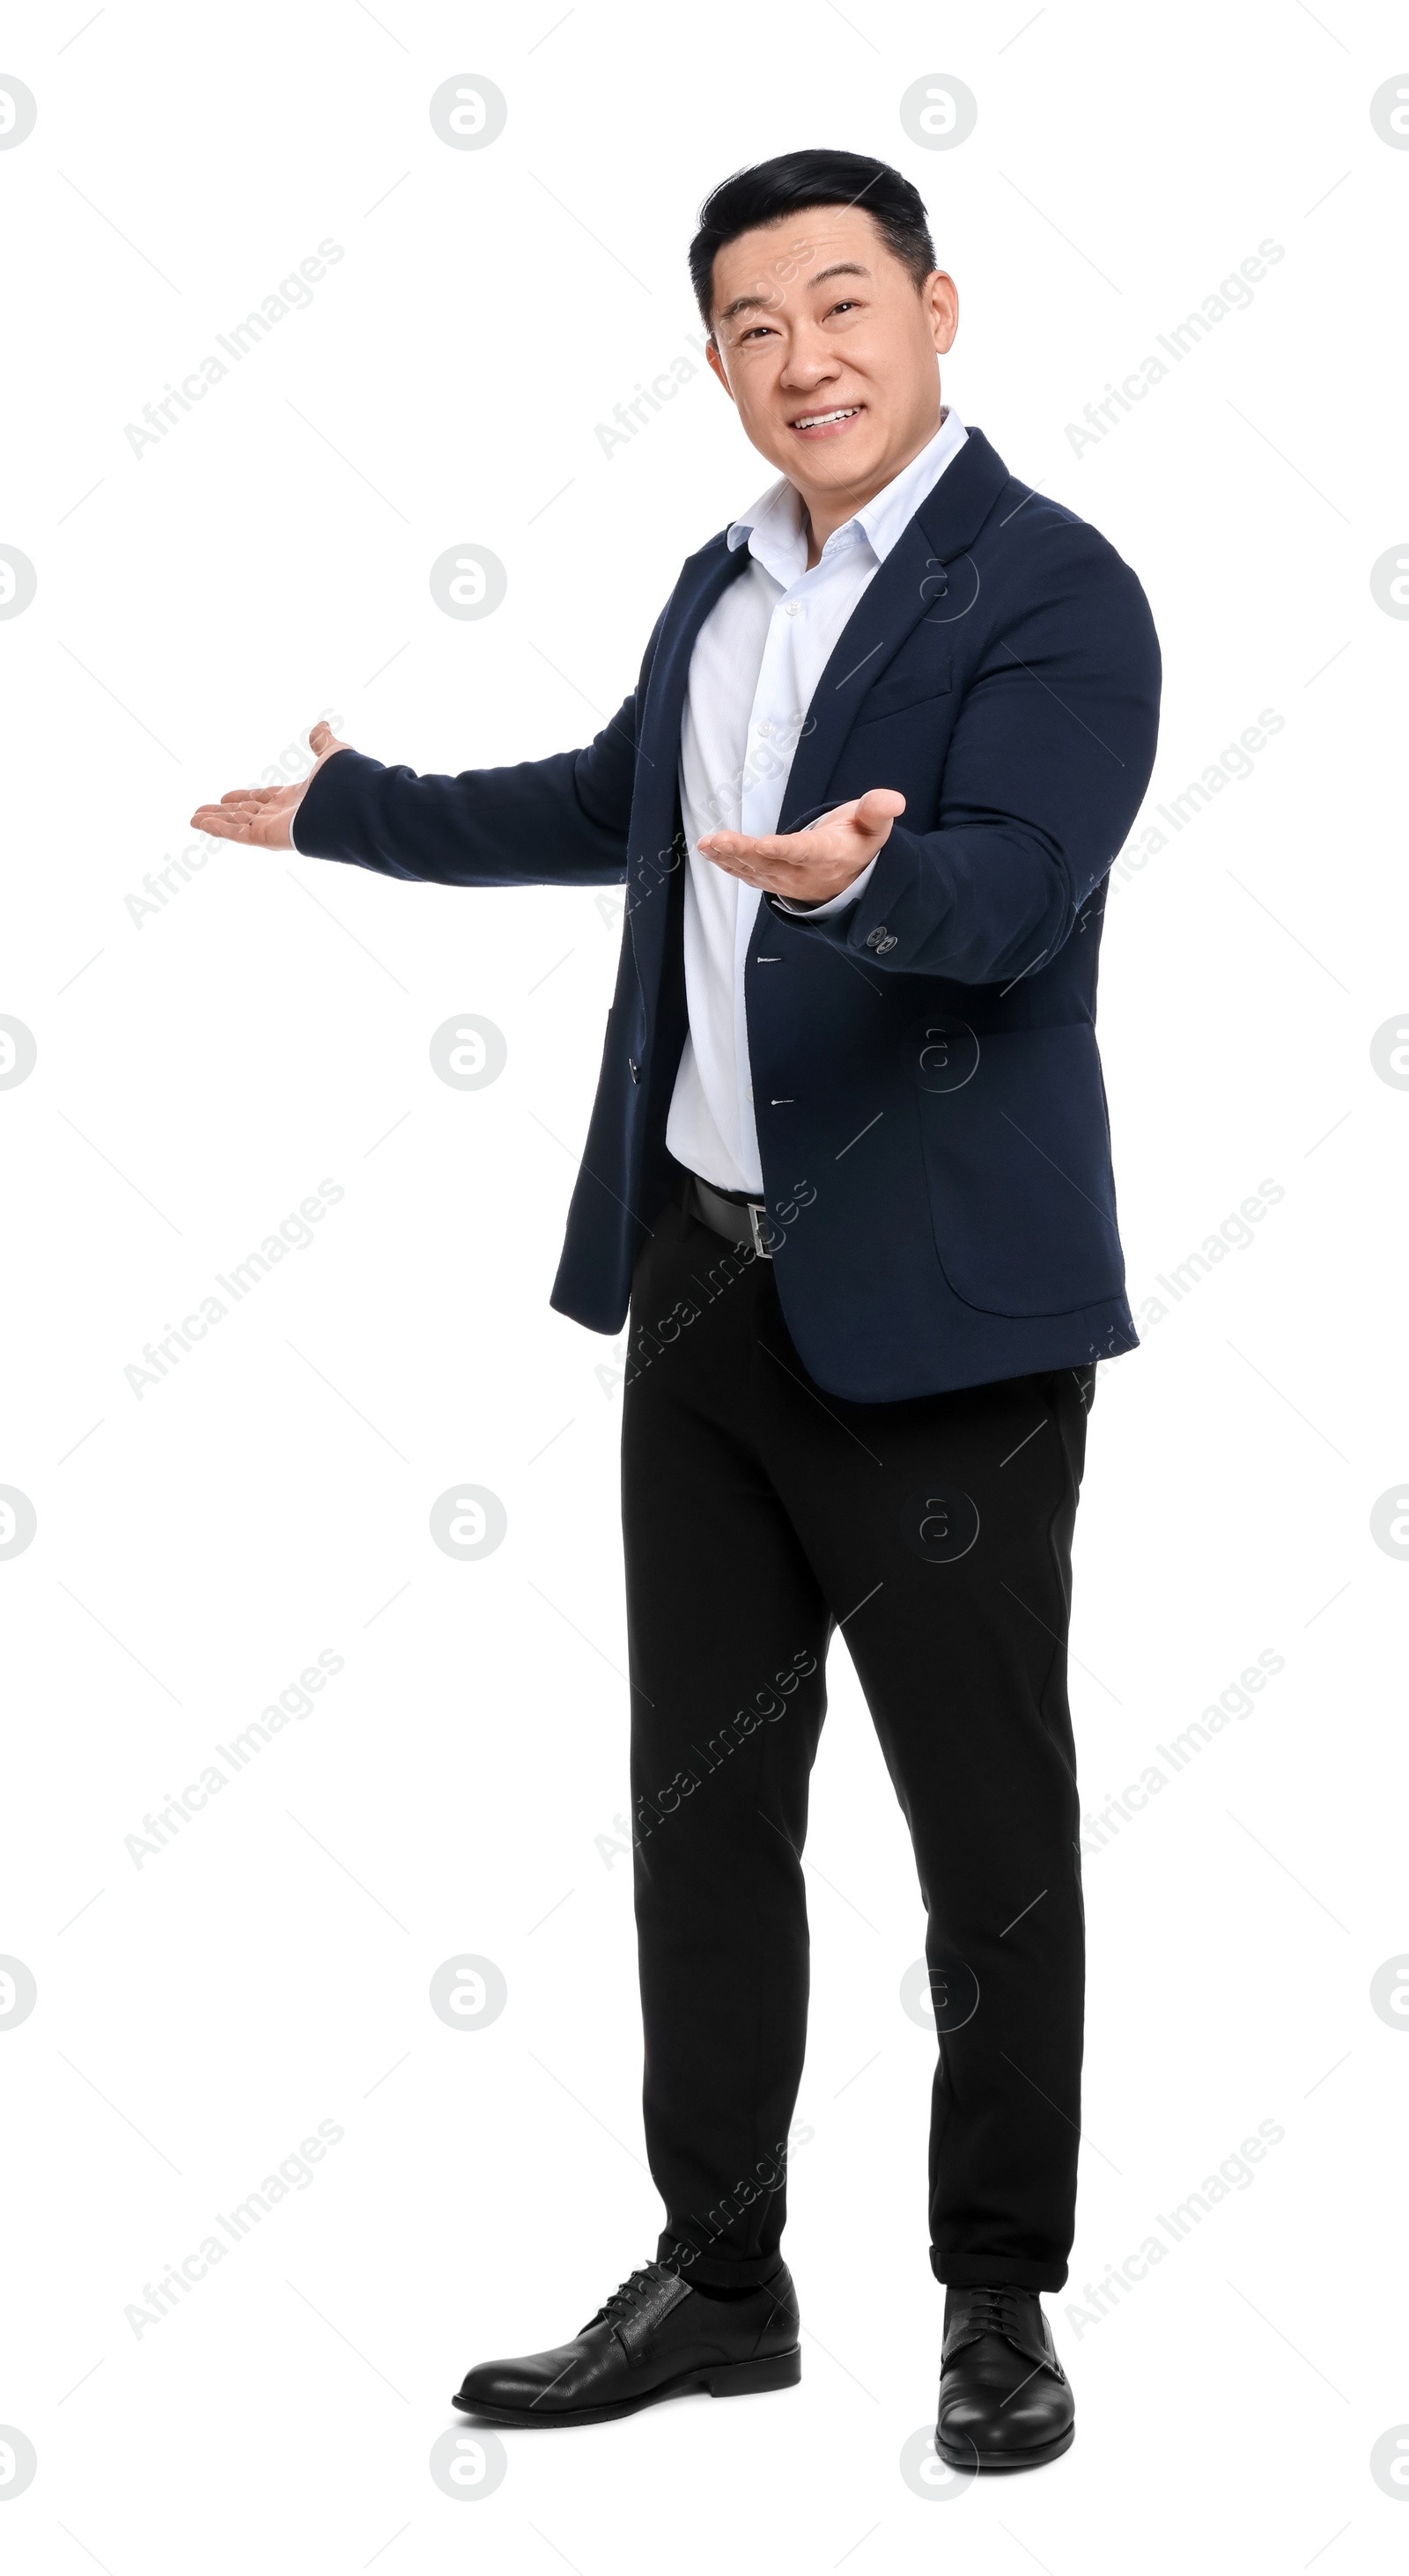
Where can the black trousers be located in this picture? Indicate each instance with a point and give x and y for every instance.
(761, 1514)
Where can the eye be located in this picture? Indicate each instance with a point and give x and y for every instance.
(848, 304)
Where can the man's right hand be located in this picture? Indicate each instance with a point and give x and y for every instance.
(260, 816)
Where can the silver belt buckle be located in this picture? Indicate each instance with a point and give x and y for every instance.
(763, 1250)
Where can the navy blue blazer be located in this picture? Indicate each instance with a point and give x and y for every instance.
(931, 1114)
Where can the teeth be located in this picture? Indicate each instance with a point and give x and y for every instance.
(818, 419)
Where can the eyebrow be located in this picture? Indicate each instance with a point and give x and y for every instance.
(752, 303)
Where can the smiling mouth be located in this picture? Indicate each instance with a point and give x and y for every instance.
(827, 419)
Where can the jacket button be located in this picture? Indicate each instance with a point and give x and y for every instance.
(877, 939)
(635, 1068)
(884, 946)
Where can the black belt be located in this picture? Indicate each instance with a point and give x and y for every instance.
(738, 1220)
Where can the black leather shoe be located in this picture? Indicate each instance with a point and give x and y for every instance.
(657, 2336)
(1005, 2401)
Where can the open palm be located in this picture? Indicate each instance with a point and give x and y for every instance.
(260, 816)
(810, 866)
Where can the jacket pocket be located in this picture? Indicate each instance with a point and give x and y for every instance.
(1018, 1167)
(929, 679)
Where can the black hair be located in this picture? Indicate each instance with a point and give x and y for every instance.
(795, 181)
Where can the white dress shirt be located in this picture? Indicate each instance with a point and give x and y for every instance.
(757, 659)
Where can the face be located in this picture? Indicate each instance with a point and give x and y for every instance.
(829, 350)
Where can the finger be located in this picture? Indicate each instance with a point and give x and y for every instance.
(756, 868)
(219, 821)
(249, 795)
(227, 823)
(793, 848)
(871, 815)
(879, 805)
(745, 864)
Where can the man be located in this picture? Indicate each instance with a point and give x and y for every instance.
(849, 1162)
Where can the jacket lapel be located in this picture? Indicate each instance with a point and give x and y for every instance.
(892, 604)
(703, 580)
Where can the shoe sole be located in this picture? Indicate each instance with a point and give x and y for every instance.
(730, 2379)
(955, 2458)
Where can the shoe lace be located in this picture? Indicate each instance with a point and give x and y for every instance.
(994, 2311)
(627, 2295)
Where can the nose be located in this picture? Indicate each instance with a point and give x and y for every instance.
(808, 364)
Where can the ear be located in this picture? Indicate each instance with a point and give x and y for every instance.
(940, 297)
(715, 364)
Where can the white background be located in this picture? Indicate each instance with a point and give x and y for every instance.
(197, 606)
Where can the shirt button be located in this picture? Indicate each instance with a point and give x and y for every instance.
(793, 606)
(765, 727)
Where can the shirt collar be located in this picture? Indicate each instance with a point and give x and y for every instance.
(772, 527)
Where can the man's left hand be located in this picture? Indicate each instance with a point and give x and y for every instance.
(810, 866)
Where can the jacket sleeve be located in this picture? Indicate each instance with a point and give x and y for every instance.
(1049, 761)
(560, 821)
